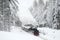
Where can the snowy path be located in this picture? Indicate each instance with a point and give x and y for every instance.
(22, 35)
(17, 36)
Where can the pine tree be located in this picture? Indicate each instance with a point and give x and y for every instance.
(48, 13)
(37, 11)
(8, 10)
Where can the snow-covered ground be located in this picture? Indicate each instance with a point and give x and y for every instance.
(22, 35)
(17, 36)
(50, 34)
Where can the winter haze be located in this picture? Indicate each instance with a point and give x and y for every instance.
(19, 19)
(24, 13)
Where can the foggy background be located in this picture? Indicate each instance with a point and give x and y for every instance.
(24, 13)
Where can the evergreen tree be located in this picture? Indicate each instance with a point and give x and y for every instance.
(8, 10)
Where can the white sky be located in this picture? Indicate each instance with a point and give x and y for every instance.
(24, 13)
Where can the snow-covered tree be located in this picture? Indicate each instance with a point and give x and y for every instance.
(38, 10)
(47, 14)
(53, 17)
(51, 5)
(57, 15)
(8, 10)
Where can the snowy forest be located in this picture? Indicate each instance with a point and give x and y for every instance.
(47, 15)
(37, 19)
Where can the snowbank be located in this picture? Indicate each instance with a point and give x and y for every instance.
(17, 36)
(50, 34)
